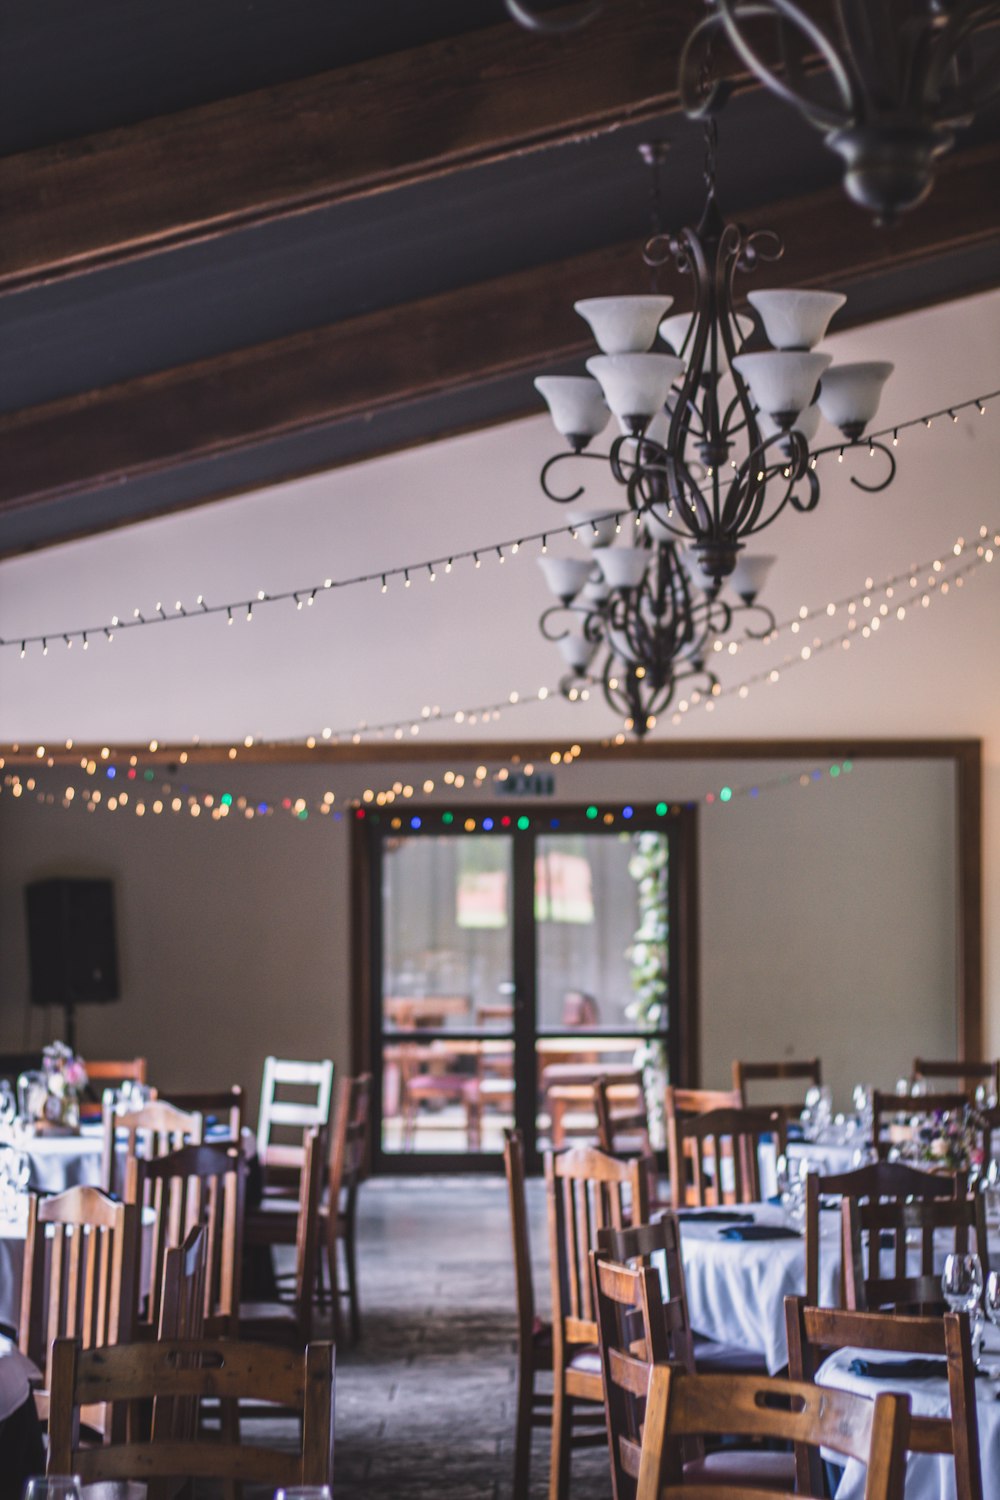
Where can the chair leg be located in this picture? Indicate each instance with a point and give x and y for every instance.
(331, 1260)
(562, 1431)
(522, 1432)
(350, 1260)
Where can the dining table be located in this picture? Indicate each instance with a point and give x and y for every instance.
(929, 1476)
(58, 1162)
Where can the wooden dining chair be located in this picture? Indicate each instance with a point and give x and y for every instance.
(879, 1181)
(807, 1070)
(281, 1160)
(679, 1104)
(622, 1117)
(681, 1406)
(80, 1279)
(290, 1322)
(187, 1370)
(182, 1316)
(715, 1157)
(103, 1074)
(905, 1230)
(586, 1191)
(637, 1327)
(814, 1333)
(156, 1129)
(203, 1184)
(338, 1215)
(884, 1138)
(221, 1110)
(963, 1073)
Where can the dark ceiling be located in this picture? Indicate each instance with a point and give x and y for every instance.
(123, 389)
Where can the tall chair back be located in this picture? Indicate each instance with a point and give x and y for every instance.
(967, 1075)
(884, 1238)
(188, 1369)
(681, 1406)
(196, 1185)
(80, 1277)
(814, 1333)
(806, 1070)
(884, 1106)
(716, 1155)
(154, 1130)
(282, 1160)
(182, 1316)
(348, 1163)
(221, 1110)
(622, 1117)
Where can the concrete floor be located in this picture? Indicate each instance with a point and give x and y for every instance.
(425, 1403)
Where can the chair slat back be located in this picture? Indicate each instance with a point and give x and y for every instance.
(678, 1104)
(182, 1316)
(80, 1272)
(886, 1105)
(291, 1116)
(307, 1229)
(154, 1130)
(622, 1117)
(349, 1152)
(808, 1069)
(639, 1244)
(206, 1185)
(968, 1075)
(891, 1260)
(814, 1333)
(190, 1369)
(586, 1191)
(127, 1070)
(222, 1108)
(681, 1405)
(716, 1154)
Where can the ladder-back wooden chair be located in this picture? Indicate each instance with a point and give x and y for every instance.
(203, 1184)
(182, 1316)
(807, 1070)
(637, 1327)
(884, 1138)
(80, 1278)
(678, 1105)
(622, 1117)
(586, 1191)
(879, 1181)
(815, 1332)
(281, 1159)
(156, 1129)
(187, 1370)
(338, 1216)
(682, 1406)
(901, 1231)
(716, 1155)
(290, 1322)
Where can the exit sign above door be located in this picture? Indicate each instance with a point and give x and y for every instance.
(520, 784)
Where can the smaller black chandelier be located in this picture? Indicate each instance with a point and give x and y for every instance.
(714, 436)
(635, 612)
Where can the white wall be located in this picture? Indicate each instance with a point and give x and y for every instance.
(827, 920)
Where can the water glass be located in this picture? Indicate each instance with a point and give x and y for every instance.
(304, 1492)
(53, 1487)
(962, 1286)
(991, 1301)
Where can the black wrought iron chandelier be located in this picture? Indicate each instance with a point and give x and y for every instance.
(715, 437)
(896, 79)
(887, 82)
(636, 612)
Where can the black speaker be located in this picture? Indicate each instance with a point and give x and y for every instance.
(71, 942)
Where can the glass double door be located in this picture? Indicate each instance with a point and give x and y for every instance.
(511, 968)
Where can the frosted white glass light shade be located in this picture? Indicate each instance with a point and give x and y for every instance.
(749, 576)
(623, 567)
(575, 403)
(635, 385)
(654, 525)
(565, 576)
(595, 528)
(807, 422)
(849, 394)
(577, 651)
(795, 319)
(781, 383)
(619, 643)
(623, 325)
(594, 591)
(674, 330)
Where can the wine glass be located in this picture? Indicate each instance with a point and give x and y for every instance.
(53, 1487)
(962, 1285)
(304, 1492)
(991, 1302)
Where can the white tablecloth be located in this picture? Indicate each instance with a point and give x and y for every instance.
(737, 1289)
(830, 1157)
(929, 1476)
(59, 1162)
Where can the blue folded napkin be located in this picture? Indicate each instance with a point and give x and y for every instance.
(759, 1232)
(794, 1131)
(713, 1216)
(916, 1368)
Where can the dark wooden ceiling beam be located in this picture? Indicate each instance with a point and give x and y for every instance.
(522, 323)
(397, 120)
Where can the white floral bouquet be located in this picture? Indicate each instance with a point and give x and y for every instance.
(50, 1099)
